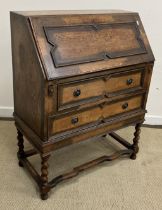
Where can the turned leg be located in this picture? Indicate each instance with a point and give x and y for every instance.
(136, 140)
(20, 144)
(44, 176)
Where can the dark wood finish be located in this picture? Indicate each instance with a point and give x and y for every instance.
(80, 43)
(99, 88)
(25, 162)
(78, 19)
(77, 75)
(121, 140)
(136, 140)
(102, 112)
(44, 177)
(87, 165)
(20, 144)
(26, 75)
(46, 186)
(30, 153)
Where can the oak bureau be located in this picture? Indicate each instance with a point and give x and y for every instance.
(77, 75)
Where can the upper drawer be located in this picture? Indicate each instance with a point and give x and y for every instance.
(76, 93)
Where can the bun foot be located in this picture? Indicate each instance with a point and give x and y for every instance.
(133, 156)
(44, 196)
(20, 164)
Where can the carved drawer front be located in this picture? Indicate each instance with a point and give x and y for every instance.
(96, 114)
(99, 88)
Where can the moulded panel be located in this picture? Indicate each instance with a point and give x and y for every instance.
(77, 44)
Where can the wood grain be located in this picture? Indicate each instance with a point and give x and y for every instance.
(93, 42)
(28, 77)
(52, 72)
(77, 76)
(96, 114)
(98, 87)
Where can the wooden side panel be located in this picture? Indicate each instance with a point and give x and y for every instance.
(27, 76)
(147, 80)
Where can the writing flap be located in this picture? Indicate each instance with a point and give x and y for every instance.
(78, 44)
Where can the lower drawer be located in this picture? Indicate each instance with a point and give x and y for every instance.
(99, 113)
(59, 141)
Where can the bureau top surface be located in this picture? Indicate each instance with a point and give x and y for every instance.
(71, 43)
(69, 12)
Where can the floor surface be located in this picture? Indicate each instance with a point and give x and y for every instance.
(123, 184)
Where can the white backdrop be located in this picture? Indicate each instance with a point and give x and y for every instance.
(151, 15)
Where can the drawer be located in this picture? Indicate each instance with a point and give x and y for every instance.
(94, 89)
(96, 114)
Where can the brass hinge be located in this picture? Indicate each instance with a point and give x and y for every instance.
(50, 90)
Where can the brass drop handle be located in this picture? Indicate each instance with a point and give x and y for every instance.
(74, 120)
(129, 81)
(125, 106)
(76, 92)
